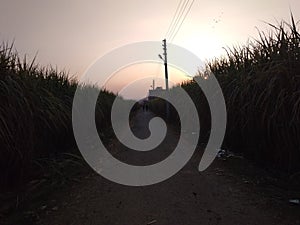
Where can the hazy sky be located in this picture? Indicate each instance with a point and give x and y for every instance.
(72, 34)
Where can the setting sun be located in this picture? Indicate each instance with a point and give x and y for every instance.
(155, 112)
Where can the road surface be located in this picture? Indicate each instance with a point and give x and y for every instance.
(215, 196)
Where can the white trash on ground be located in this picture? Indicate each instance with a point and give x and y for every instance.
(226, 154)
(294, 201)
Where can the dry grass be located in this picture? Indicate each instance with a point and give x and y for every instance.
(261, 86)
(35, 115)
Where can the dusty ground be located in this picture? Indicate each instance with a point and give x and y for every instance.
(231, 191)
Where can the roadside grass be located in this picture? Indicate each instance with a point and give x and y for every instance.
(261, 87)
(36, 118)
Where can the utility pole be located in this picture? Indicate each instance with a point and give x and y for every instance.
(166, 64)
(166, 77)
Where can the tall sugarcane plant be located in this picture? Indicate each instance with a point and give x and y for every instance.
(261, 86)
(36, 114)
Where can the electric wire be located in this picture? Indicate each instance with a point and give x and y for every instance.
(187, 12)
(178, 18)
(174, 16)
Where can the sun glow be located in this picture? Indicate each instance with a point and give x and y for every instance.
(144, 73)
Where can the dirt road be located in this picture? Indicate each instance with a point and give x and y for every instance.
(218, 195)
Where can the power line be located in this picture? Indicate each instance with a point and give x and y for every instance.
(173, 19)
(179, 18)
(179, 12)
(187, 12)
